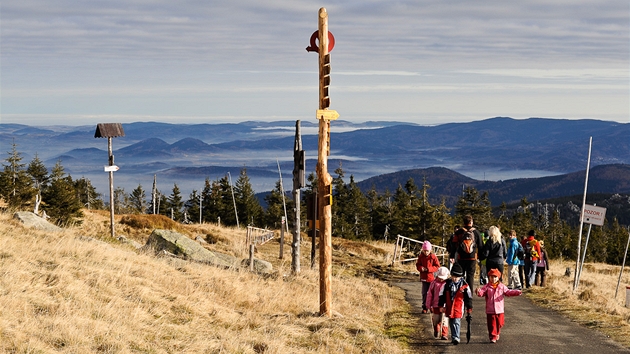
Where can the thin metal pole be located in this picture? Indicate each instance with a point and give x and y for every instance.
(577, 261)
(623, 264)
(588, 235)
(284, 204)
(234, 201)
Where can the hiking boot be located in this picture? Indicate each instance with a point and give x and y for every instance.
(455, 341)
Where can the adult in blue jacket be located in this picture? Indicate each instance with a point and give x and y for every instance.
(513, 262)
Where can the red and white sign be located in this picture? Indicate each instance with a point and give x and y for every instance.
(594, 215)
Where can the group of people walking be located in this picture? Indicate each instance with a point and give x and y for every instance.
(447, 291)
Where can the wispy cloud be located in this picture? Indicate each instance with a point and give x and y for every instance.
(193, 57)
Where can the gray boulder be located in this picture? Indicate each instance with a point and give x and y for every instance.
(33, 220)
(182, 246)
(260, 266)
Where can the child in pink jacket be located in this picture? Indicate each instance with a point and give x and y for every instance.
(439, 320)
(495, 292)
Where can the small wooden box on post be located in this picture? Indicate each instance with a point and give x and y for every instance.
(109, 131)
(324, 115)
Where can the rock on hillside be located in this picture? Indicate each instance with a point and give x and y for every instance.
(35, 221)
(183, 246)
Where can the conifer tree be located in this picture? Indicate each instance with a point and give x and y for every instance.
(477, 205)
(249, 210)
(16, 186)
(616, 243)
(381, 211)
(138, 200)
(217, 202)
(406, 220)
(340, 225)
(63, 206)
(175, 204)
(122, 203)
(88, 195)
(522, 220)
(275, 208)
(357, 212)
(191, 206)
(39, 174)
(442, 224)
(426, 212)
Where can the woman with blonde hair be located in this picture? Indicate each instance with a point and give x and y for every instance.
(494, 250)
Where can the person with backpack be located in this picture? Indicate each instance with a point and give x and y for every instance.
(532, 256)
(451, 244)
(427, 264)
(515, 254)
(543, 265)
(455, 300)
(467, 241)
(494, 251)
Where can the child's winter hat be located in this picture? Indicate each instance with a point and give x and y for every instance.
(442, 273)
(494, 272)
(457, 270)
(426, 246)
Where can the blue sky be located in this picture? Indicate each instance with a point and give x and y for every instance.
(428, 62)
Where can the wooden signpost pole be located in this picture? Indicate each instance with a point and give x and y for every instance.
(324, 178)
(109, 131)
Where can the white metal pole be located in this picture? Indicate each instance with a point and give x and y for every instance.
(588, 236)
(577, 261)
(284, 204)
(234, 201)
(623, 264)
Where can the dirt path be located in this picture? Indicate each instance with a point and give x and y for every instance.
(528, 329)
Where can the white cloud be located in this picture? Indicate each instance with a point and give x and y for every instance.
(197, 58)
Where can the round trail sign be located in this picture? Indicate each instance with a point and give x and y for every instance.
(314, 39)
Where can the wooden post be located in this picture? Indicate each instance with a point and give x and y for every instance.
(314, 228)
(282, 239)
(324, 178)
(251, 257)
(111, 186)
(298, 182)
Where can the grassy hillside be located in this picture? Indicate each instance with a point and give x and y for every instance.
(80, 291)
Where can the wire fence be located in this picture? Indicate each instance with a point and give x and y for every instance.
(408, 247)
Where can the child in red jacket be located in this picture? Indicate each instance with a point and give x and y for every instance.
(495, 292)
(455, 299)
(427, 264)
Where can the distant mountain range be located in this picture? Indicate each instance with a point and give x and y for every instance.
(448, 184)
(492, 149)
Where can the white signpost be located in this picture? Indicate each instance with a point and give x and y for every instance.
(594, 215)
(112, 168)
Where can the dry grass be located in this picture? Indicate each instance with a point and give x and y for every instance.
(63, 292)
(593, 304)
